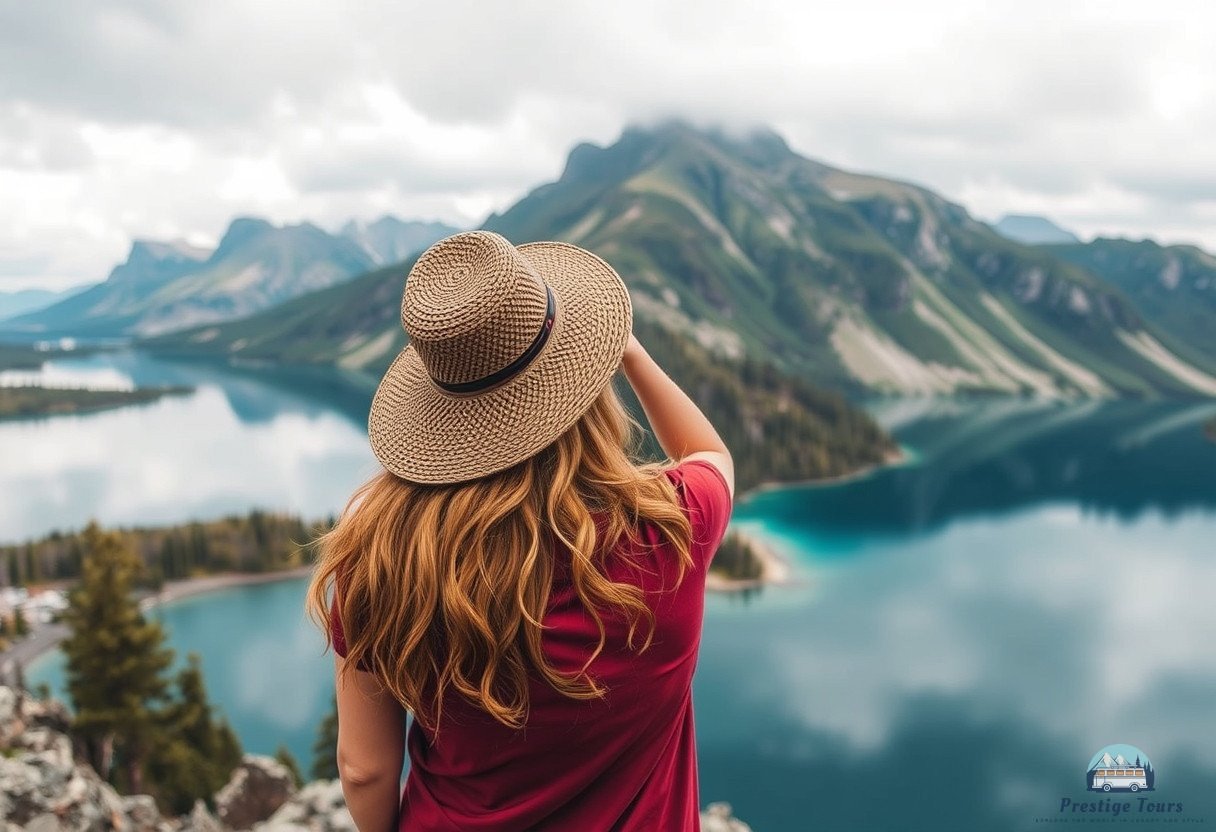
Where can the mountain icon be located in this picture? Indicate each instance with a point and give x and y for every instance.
(1109, 770)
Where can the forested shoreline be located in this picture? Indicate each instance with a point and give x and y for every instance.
(33, 401)
(258, 541)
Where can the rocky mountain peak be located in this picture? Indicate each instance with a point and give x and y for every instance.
(240, 231)
(156, 261)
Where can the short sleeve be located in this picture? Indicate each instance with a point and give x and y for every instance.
(707, 498)
(335, 628)
(336, 633)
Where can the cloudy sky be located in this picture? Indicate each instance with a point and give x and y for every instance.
(165, 118)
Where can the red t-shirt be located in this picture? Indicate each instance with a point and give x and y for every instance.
(627, 761)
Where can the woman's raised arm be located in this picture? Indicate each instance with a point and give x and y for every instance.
(682, 429)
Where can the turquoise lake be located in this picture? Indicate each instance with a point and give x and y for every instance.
(969, 628)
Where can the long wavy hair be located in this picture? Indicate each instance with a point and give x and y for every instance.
(444, 587)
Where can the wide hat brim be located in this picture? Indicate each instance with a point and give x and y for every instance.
(425, 434)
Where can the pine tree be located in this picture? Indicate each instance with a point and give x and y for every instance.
(325, 749)
(33, 568)
(199, 550)
(227, 745)
(115, 659)
(75, 560)
(171, 557)
(195, 752)
(21, 627)
(261, 535)
(288, 760)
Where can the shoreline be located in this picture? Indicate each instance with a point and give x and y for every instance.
(46, 637)
(31, 402)
(892, 458)
(775, 568)
(189, 587)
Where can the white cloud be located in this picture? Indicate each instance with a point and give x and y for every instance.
(142, 118)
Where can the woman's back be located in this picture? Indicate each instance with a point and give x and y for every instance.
(622, 762)
(515, 577)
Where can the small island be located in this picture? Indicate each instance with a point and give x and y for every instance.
(23, 356)
(30, 401)
(1209, 429)
(744, 562)
(20, 357)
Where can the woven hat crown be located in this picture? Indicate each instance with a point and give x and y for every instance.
(509, 347)
(472, 305)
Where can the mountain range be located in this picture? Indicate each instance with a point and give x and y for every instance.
(758, 277)
(168, 286)
(863, 283)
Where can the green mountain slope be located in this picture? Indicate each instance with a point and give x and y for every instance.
(1172, 286)
(355, 325)
(855, 280)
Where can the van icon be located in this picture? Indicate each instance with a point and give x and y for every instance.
(1120, 768)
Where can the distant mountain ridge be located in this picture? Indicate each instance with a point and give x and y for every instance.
(1033, 230)
(743, 247)
(166, 286)
(390, 240)
(21, 301)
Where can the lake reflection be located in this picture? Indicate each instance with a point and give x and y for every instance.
(966, 674)
(971, 626)
(287, 442)
(1035, 586)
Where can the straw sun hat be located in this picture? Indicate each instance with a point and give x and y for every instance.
(508, 347)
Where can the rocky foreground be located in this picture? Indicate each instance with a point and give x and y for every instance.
(44, 788)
